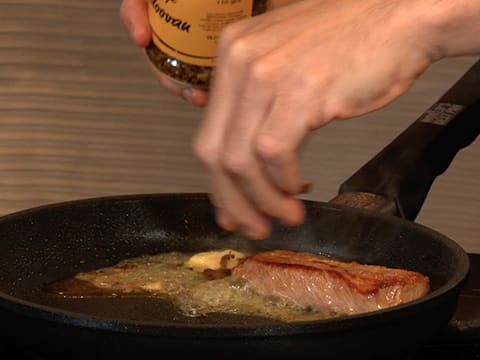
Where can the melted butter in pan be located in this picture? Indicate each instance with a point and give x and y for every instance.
(197, 284)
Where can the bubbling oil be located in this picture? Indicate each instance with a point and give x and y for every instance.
(192, 293)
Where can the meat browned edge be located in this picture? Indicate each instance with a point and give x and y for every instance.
(342, 287)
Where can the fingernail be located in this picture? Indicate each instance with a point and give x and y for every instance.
(226, 222)
(131, 29)
(296, 216)
(305, 188)
(251, 234)
(255, 234)
(187, 94)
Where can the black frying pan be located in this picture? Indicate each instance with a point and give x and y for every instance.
(45, 244)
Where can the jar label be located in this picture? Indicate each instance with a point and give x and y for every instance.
(188, 30)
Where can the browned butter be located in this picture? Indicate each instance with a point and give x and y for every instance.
(193, 293)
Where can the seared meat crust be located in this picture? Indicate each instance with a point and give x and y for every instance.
(319, 282)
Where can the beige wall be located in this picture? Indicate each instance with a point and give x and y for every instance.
(81, 116)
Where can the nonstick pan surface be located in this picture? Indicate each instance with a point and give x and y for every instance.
(46, 244)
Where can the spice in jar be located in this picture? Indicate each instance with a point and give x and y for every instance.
(185, 34)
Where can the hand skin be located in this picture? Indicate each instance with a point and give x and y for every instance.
(285, 73)
(135, 19)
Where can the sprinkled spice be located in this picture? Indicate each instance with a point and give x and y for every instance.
(185, 34)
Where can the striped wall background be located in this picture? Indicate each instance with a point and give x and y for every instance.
(81, 116)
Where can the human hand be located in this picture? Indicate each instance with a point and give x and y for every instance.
(135, 19)
(284, 73)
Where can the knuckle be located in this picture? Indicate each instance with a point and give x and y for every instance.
(238, 51)
(270, 149)
(304, 82)
(236, 164)
(259, 72)
(337, 110)
(228, 36)
(235, 49)
(207, 154)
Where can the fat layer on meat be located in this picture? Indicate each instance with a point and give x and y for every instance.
(318, 282)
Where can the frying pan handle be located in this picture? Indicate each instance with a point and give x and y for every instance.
(398, 179)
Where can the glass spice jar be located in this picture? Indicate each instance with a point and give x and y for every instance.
(185, 34)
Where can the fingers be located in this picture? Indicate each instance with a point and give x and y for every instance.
(240, 160)
(244, 191)
(244, 196)
(134, 16)
(234, 210)
(195, 96)
(280, 75)
(224, 220)
(279, 140)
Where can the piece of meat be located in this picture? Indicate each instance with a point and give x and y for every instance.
(318, 282)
